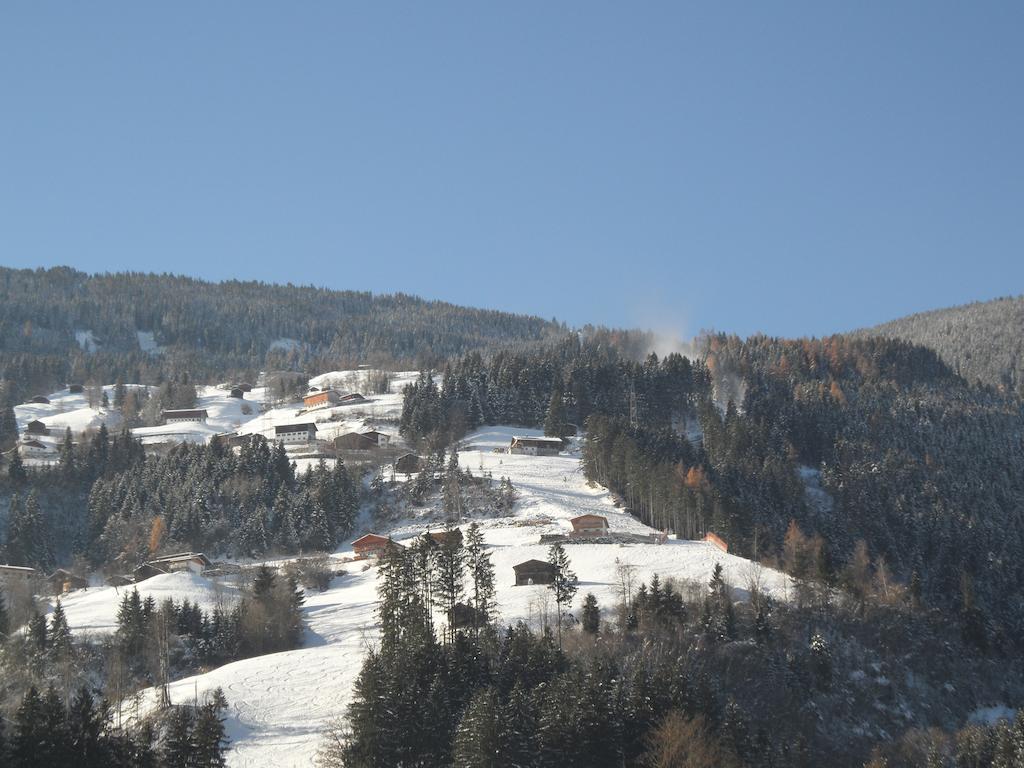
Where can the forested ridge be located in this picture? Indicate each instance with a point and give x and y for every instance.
(217, 330)
(982, 341)
(852, 440)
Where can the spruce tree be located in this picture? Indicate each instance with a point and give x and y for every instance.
(8, 428)
(177, 748)
(554, 421)
(16, 472)
(5, 619)
(208, 738)
(60, 633)
(449, 576)
(591, 614)
(481, 574)
(477, 736)
(564, 584)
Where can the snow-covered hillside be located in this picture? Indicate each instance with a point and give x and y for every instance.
(251, 414)
(280, 703)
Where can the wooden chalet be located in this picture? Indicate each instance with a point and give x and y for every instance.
(372, 545)
(534, 572)
(589, 525)
(409, 463)
(36, 427)
(195, 562)
(321, 399)
(62, 581)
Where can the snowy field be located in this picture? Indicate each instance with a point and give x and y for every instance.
(279, 704)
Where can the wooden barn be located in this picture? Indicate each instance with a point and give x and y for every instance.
(409, 463)
(353, 398)
(534, 572)
(36, 427)
(372, 545)
(536, 446)
(75, 389)
(586, 526)
(353, 441)
(382, 440)
(40, 400)
(62, 581)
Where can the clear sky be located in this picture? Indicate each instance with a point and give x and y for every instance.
(791, 168)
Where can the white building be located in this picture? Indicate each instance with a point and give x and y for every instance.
(293, 434)
(185, 415)
(14, 575)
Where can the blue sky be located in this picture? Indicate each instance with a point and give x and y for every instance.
(790, 168)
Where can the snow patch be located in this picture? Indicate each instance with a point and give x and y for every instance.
(87, 341)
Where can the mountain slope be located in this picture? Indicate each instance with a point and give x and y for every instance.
(60, 324)
(981, 341)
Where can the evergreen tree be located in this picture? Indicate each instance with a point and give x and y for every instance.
(208, 738)
(449, 576)
(8, 428)
(5, 620)
(564, 584)
(477, 743)
(481, 574)
(16, 470)
(38, 636)
(554, 421)
(60, 633)
(177, 748)
(591, 614)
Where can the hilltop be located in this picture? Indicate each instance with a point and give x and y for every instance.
(60, 325)
(981, 341)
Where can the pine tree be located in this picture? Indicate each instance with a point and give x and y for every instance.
(29, 738)
(5, 620)
(564, 584)
(477, 736)
(591, 614)
(481, 574)
(86, 725)
(16, 471)
(38, 636)
(554, 422)
(8, 428)
(449, 576)
(208, 738)
(60, 633)
(177, 747)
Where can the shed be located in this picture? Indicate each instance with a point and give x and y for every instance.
(408, 464)
(236, 392)
(75, 389)
(353, 398)
(39, 399)
(534, 572)
(245, 387)
(119, 580)
(36, 427)
(589, 525)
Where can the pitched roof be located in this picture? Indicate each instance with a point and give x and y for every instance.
(533, 565)
(180, 557)
(308, 427)
(583, 518)
(186, 413)
(529, 439)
